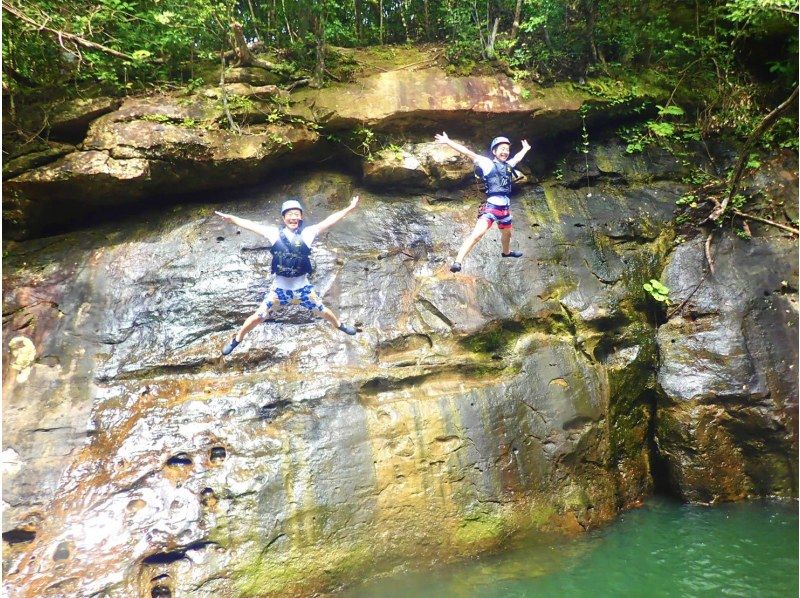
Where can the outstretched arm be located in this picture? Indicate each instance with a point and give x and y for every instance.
(521, 153)
(337, 216)
(243, 223)
(443, 138)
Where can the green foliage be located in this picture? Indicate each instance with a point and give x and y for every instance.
(159, 36)
(697, 49)
(157, 118)
(657, 291)
(584, 146)
(752, 161)
(672, 110)
(364, 138)
(661, 129)
(738, 201)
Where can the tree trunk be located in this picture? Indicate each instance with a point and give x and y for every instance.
(517, 14)
(244, 56)
(255, 21)
(357, 14)
(546, 34)
(403, 7)
(589, 10)
(286, 19)
(427, 21)
(319, 34)
(490, 42)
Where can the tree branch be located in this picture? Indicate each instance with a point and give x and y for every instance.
(765, 221)
(762, 128)
(62, 35)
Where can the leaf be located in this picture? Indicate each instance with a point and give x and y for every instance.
(659, 287)
(648, 287)
(672, 110)
(141, 55)
(165, 18)
(661, 129)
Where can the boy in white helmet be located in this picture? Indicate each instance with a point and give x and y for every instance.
(291, 265)
(498, 175)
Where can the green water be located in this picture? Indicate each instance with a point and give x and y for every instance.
(663, 549)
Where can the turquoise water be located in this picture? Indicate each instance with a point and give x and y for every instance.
(662, 549)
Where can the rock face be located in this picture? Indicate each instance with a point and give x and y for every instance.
(536, 393)
(728, 424)
(476, 405)
(429, 166)
(153, 147)
(156, 148)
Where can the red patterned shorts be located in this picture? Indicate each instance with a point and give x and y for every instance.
(499, 214)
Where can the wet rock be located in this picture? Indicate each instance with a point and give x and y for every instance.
(510, 396)
(418, 166)
(728, 424)
(610, 160)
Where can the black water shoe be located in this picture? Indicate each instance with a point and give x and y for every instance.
(456, 267)
(351, 330)
(512, 254)
(232, 344)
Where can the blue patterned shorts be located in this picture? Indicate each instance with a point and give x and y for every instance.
(278, 298)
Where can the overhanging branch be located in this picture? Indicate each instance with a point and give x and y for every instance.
(63, 35)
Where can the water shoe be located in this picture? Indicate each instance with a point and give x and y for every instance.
(232, 344)
(347, 329)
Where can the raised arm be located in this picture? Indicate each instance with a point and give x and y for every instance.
(521, 153)
(244, 223)
(443, 138)
(337, 216)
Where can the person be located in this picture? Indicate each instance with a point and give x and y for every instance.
(498, 175)
(290, 247)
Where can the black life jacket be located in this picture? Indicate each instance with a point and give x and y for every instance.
(291, 258)
(499, 179)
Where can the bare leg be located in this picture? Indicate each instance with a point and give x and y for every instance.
(250, 323)
(505, 239)
(481, 226)
(331, 317)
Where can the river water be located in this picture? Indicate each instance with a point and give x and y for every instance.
(663, 549)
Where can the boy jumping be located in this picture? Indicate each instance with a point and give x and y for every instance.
(290, 248)
(498, 175)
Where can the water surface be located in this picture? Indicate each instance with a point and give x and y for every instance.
(663, 549)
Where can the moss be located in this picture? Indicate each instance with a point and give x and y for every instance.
(480, 528)
(541, 514)
(313, 568)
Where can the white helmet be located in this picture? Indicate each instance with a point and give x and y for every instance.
(497, 141)
(291, 204)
